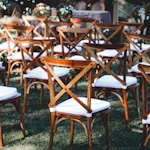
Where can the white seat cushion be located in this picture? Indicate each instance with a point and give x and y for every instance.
(135, 67)
(39, 73)
(72, 107)
(111, 82)
(143, 47)
(18, 56)
(7, 92)
(146, 121)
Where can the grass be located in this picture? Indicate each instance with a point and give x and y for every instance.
(37, 127)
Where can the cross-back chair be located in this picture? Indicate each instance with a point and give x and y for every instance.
(145, 71)
(10, 95)
(40, 24)
(13, 53)
(139, 51)
(74, 107)
(34, 70)
(109, 79)
(70, 39)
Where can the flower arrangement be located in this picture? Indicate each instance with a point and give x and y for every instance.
(64, 12)
(42, 9)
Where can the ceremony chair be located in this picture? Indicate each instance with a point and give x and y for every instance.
(76, 107)
(34, 72)
(13, 53)
(109, 79)
(139, 52)
(145, 71)
(10, 95)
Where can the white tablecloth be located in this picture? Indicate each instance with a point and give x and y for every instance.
(102, 16)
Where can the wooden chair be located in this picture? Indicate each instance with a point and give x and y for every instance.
(145, 71)
(34, 70)
(14, 55)
(109, 79)
(80, 108)
(9, 95)
(40, 24)
(139, 51)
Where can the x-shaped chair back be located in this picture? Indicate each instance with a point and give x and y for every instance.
(139, 48)
(82, 22)
(38, 48)
(94, 49)
(70, 38)
(129, 27)
(52, 28)
(40, 24)
(15, 31)
(86, 68)
(107, 33)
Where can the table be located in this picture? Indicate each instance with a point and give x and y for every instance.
(102, 16)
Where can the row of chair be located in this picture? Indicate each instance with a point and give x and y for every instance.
(83, 49)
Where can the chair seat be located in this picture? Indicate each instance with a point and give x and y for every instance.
(71, 106)
(7, 92)
(147, 120)
(110, 82)
(39, 73)
(135, 67)
(4, 45)
(58, 49)
(18, 56)
(143, 47)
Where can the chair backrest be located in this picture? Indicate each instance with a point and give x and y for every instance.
(129, 27)
(40, 24)
(140, 47)
(106, 68)
(82, 22)
(107, 33)
(85, 67)
(70, 38)
(52, 28)
(15, 31)
(38, 48)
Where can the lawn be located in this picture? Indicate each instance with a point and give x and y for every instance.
(37, 127)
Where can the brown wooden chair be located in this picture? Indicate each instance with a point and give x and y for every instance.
(139, 51)
(145, 71)
(108, 78)
(34, 70)
(14, 55)
(9, 95)
(74, 107)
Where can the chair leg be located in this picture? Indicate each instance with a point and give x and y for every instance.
(25, 95)
(1, 137)
(8, 73)
(52, 130)
(125, 105)
(137, 103)
(106, 125)
(89, 129)
(19, 111)
(71, 132)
